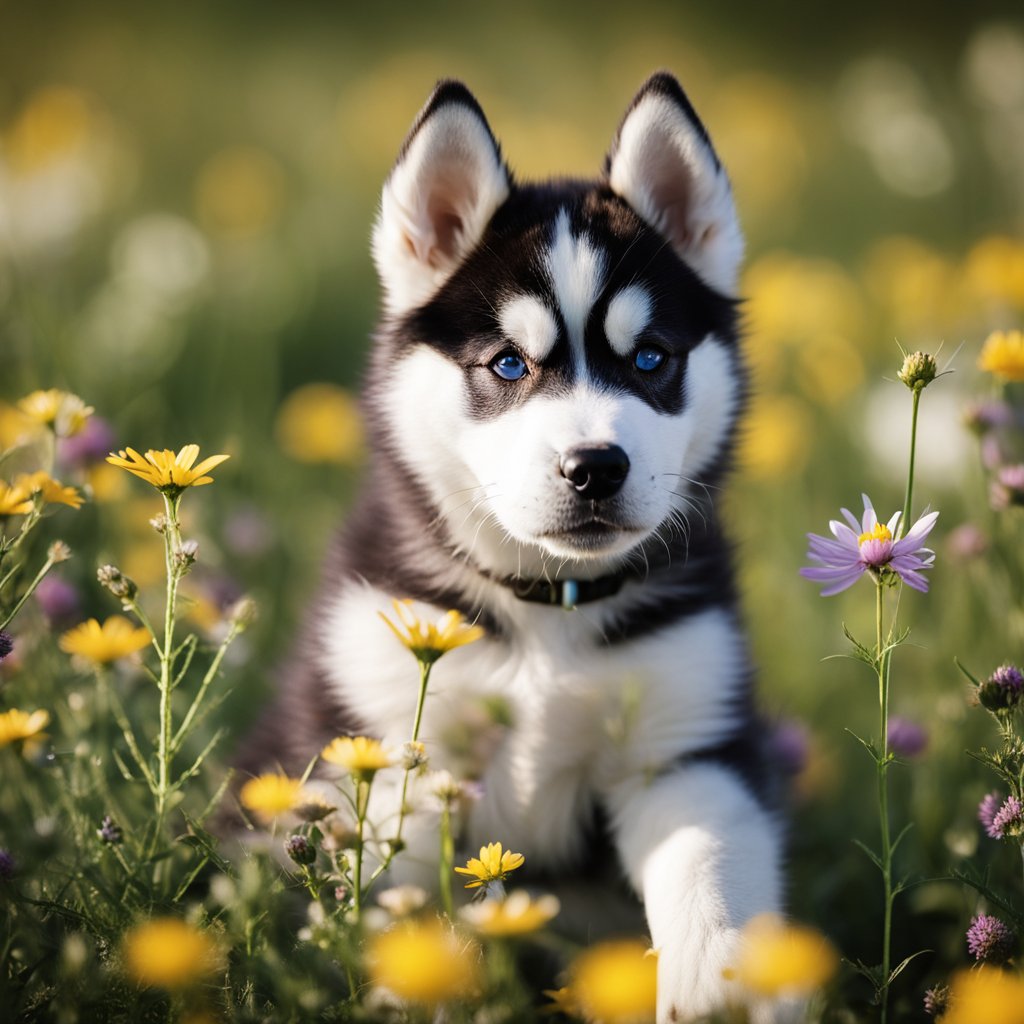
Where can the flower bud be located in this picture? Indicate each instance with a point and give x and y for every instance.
(243, 613)
(918, 371)
(58, 551)
(160, 523)
(185, 556)
(116, 582)
(300, 849)
(1003, 689)
(6, 644)
(110, 832)
(414, 755)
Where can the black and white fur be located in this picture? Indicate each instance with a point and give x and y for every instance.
(632, 710)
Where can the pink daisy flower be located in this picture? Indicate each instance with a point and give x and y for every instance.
(869, 546)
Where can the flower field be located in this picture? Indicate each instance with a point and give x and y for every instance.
(186, 302)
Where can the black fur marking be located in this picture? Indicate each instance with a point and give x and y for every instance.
(461, 321)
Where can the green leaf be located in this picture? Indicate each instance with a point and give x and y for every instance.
(899, 968)
(899, 839)
(959, 665)
(875, 859)
(868, 745)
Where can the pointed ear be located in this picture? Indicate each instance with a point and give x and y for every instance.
(662, 164)
(442, 192)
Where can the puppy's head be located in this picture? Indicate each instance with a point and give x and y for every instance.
(558, 366)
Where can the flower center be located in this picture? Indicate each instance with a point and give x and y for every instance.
(880, 532)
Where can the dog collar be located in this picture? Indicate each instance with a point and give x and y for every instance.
(566, 593)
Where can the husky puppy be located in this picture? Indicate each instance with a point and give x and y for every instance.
(551, 404)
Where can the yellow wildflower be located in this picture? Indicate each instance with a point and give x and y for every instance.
(166, 471)
(115, 639)
(986, 994)
(492, 866)
(563, 1000)
(779, 959)
(427, 641)
(64, 413)
(51, 491)
(516, 915)
(14, 499)
(616, 982)
(361, 755)
(423, 962)
(271, 794)
(16, 725)
(169, 953)
(1003, 355)
(320, 423)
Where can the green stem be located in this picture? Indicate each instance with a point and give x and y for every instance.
(172, 541)
(395, 846)
(362, 801)
(47, 566)
(447, 864)
(211, 673)
(905, 518)
(883, 794)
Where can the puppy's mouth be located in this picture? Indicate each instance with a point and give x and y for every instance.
(592, 535)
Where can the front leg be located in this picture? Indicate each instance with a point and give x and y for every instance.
(704, 856)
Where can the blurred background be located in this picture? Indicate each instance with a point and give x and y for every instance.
(186, 199)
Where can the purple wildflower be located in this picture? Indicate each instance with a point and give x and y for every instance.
(91, 444)
(109, 832)
(300, 849)
(1003, 689)
(7, 865)
(57, 599)
(981, 417)
(6, 644)
(1009, 819)
(936, 1000)
(966, 542)
(1008, 487)
(906, 737)
(987, 811)
(869, 545)
(990, 940)
(790, 746)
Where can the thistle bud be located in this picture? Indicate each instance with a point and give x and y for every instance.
(160, 523)
(243, 613)
(6, 644)
(919, 370)
(414, 755)
(300, 849)
(1003, 689)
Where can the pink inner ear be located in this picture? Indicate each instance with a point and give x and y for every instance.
(670, 189)
(446, 222)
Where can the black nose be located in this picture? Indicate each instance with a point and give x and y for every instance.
(595, 472)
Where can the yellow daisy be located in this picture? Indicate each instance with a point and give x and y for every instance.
(18, 725)
(616, 982)
(271, 794)
(423, 962)
(51, 491)
(64, 413)
(14, 499)
(562, 1001)
(986, 994)
(116, 638)
(493, 865)
(427, 641)
(1003, 355)
(780, 959)
(169, 953)
(361, 755)
(166, 471)
(516, 915)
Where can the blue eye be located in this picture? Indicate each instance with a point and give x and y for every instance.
(509, 366)
(648, 358)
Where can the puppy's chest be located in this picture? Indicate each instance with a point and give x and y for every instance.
(546, 717)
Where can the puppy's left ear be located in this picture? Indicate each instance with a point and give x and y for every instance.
(447, 183)
(663, 164)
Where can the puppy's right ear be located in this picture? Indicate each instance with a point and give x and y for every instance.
(443, 190)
